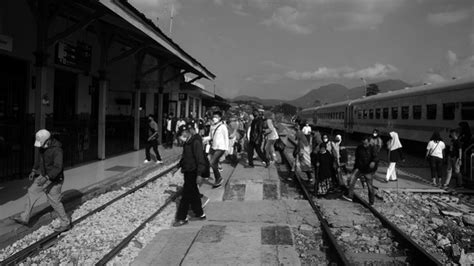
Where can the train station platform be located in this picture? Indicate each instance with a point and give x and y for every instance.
(250, 221)
(80, 184)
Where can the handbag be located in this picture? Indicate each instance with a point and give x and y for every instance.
(428, 157)
(279, 145)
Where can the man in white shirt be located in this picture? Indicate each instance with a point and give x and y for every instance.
(219, 141)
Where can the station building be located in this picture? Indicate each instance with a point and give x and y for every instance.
(90, 71)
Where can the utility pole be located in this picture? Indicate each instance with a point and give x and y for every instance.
(171, 18)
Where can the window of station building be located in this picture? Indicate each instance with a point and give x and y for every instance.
(365, 114)
(385, 113)
(405, 112)
(417, 112)
(395, 112)
(467, 111)
(377, 113)
(448, 111)
(431, 111)
(371, 114)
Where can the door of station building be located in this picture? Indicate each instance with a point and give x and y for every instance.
(16, 127)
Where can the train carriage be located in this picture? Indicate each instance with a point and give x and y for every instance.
(413, 112)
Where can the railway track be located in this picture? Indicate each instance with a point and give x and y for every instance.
(50, 240)
(403, 248)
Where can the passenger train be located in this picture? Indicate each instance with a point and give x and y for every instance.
(412, 112)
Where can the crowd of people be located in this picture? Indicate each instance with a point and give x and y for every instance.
(208, 141)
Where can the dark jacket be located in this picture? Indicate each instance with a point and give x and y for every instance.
(256, 130)
(193, 156)
(50, 162)
(363, 157)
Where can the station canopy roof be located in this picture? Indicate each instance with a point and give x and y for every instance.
(133, 29)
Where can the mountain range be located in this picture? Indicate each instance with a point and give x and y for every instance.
(327, 94)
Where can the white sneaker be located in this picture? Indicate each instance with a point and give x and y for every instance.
(159, 162)
(146, 161)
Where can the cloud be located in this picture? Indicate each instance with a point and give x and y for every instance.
(218, 2)
(157, 9)
(376, 71)
(345, 15)
(449, 17)
(289, 19)
(452, 58)
(271, 78)
(433, 78)
(454, 66)
(239, 9)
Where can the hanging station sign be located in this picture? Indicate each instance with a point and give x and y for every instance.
(74, 55)
(182, 96)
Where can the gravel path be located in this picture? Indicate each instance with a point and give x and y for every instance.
(94, 237)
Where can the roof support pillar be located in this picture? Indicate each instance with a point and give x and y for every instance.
(105, 40)
(136, 111)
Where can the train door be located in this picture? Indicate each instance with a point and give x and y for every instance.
(349, 119)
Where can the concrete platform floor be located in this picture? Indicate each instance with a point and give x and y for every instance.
(248, 223)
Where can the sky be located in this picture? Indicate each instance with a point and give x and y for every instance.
(277, 49)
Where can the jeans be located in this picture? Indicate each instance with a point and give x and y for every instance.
(152, 144)
(53, 195)
(368, 178)
(270, 149)
(191, 197)
(454, 167)
(436, 165)
(254, 146)
(214, 162)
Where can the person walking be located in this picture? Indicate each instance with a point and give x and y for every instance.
(434, 155)
(454, 159)
(325, 171)
(307, 130)
(271, 136)
(376, 141)
(395, 155)
(48, 175)
(170, 127)
(152, 141)
(256, 139)
(365, 162)
(192, 165)
(303, 155)
(219, 144)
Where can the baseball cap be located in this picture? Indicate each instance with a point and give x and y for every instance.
(41, 137)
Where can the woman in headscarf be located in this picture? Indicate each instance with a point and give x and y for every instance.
(394, 156)
(303, 154)
(434, 154)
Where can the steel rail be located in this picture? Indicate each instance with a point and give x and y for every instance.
(39, 245)
(424, 257)
(109, 256)
(341, 257)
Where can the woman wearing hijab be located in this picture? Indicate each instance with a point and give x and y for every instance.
(394, 156)
(434, 154)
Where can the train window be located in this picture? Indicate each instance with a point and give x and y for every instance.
(467, 111)
(342, 116)
(395, 112)
(417, 112)
(431, 111)
(359, 114)
(448, 111)
(365, 114)
(405, 112)
(371, 114)
(385, 113)
(377, 113)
